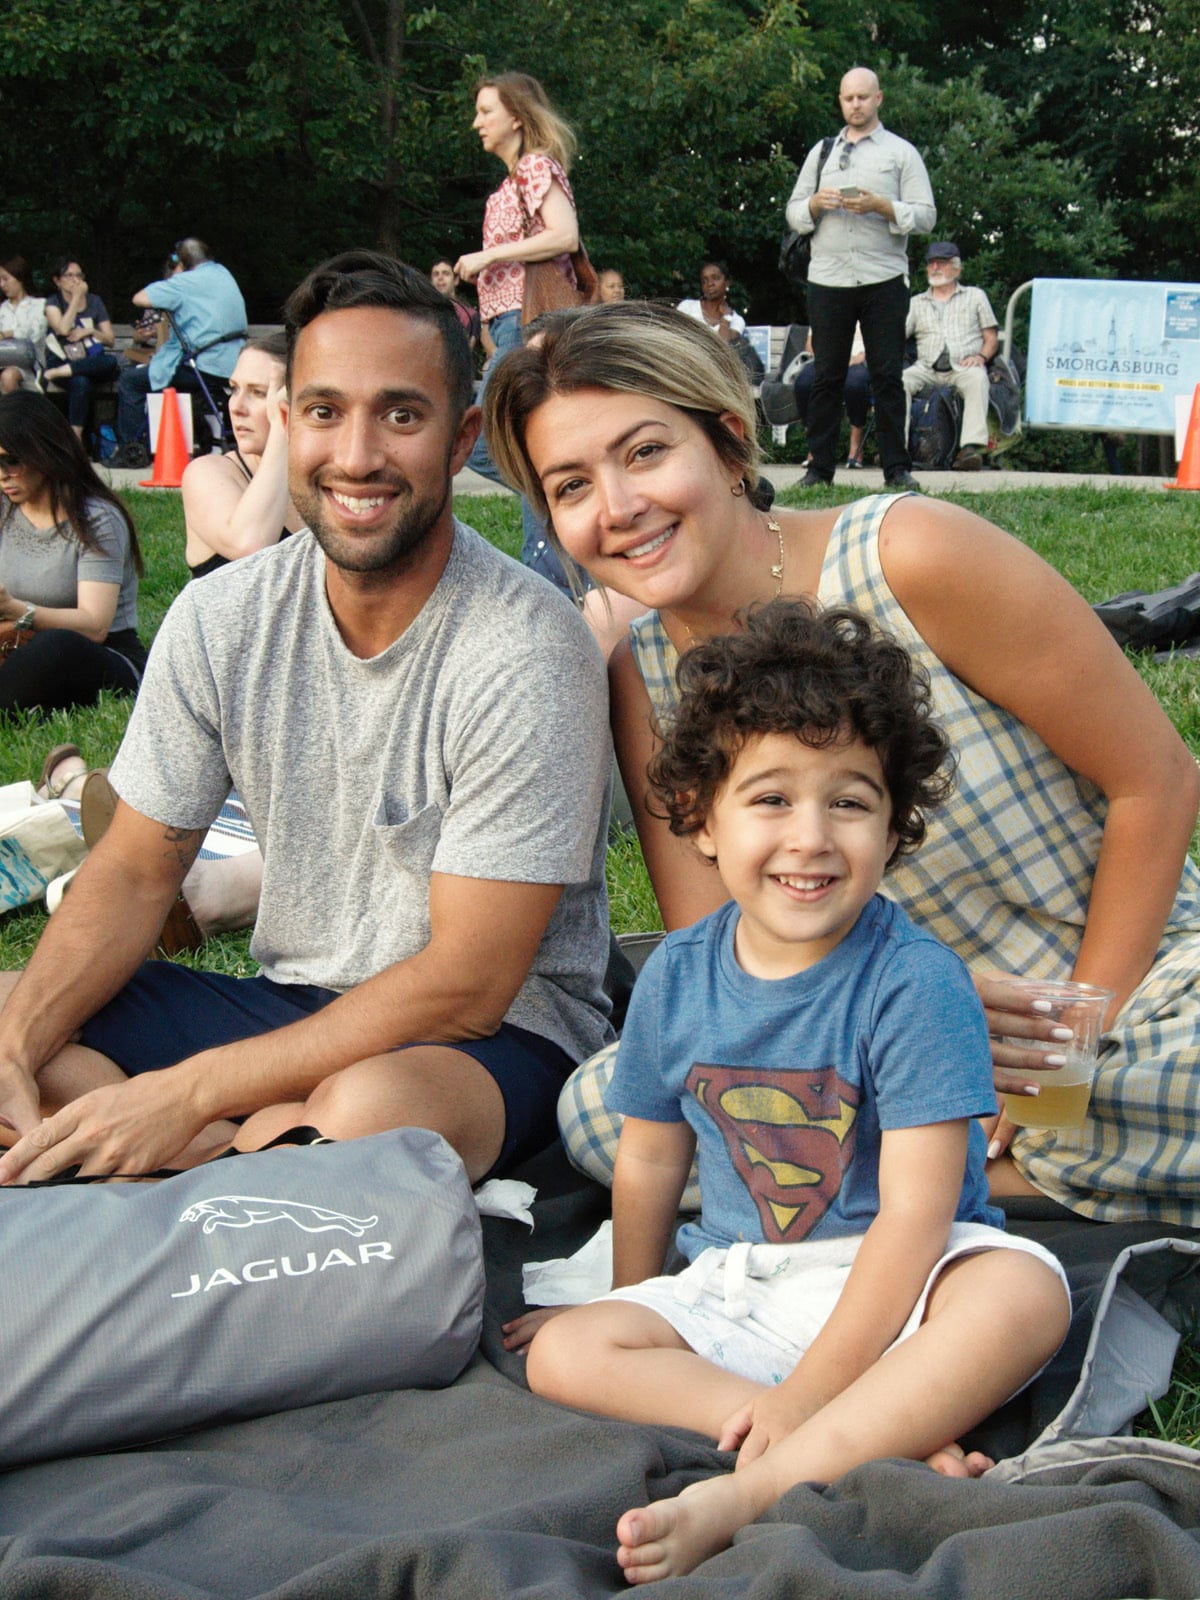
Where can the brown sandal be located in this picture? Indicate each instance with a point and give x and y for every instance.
(61, 752)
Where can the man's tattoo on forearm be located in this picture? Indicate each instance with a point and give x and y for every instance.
(182, 844)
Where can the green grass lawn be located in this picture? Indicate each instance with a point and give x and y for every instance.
(1104, 541)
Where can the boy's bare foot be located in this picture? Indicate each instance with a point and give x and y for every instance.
(672, 1537)
(952, 1461)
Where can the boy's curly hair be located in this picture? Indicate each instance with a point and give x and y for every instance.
(818, 674)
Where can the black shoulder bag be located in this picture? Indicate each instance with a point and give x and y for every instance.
(797, 247)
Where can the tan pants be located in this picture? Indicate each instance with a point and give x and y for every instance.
(971, 383)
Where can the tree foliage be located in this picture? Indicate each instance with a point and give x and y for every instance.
(1016, 207)
(1109, 83)
(286, 131)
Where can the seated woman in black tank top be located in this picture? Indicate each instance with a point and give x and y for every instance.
(238, 503)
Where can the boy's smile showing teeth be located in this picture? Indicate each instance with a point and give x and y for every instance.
(801, 835)
(804, 885)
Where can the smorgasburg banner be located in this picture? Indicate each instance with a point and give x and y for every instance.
(1110, 355)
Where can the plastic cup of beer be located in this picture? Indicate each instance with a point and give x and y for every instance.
(1064, 1090)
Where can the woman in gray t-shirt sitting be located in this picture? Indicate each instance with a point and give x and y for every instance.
(69, 567)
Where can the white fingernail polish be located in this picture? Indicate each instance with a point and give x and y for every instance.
(1042, 1005)
(1033, 1088)
(1055, 1060)
(1061, 1033)
(994, 1149)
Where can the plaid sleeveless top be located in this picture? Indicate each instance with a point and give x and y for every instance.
(1003, 878)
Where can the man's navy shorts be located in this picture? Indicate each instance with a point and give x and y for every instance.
(166, 1013)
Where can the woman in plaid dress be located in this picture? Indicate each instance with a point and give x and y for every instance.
(1063, 851)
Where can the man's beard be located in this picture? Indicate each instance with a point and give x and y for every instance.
(387, 549)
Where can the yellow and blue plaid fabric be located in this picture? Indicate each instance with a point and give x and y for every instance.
(1003, 878)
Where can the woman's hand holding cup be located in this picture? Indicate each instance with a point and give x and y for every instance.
(1013, 1016)
(1045, 1038)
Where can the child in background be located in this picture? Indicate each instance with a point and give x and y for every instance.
(850, 1294)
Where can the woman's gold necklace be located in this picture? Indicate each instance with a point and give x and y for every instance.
(776, 569)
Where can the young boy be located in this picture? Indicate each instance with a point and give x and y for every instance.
(850, 1295)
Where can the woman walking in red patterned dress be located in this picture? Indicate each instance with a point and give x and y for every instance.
(530, 217)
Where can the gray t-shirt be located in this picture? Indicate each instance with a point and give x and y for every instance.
(475, 745)
(47, 565)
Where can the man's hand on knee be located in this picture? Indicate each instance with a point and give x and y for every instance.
(129, 1127)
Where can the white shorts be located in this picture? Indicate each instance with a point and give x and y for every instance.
(754, 1309)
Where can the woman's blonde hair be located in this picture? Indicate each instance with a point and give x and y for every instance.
(541, 126)
(630, 348)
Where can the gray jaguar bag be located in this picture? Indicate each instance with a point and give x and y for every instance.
(250, 1285)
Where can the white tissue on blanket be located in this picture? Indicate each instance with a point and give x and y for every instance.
(575, 1279)
(505, 1197)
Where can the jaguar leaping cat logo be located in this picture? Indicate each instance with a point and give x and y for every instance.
(246, 1210)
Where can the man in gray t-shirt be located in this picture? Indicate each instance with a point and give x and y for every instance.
(418, 728)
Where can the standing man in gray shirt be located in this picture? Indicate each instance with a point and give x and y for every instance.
(418, 728)
(860, 204)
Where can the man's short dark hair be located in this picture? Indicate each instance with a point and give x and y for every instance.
(359, 278)
(821, 675)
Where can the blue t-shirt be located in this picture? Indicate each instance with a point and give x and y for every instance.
(206, 304)
(788, 1083)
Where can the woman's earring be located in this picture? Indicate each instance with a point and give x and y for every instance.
(738, 489)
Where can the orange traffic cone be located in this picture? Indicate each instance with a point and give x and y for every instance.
(1189, 461)
(172, 454)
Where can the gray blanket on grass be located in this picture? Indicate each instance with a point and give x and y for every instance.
(483, 1490)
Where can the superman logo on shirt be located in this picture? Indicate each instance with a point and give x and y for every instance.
(790, 1137)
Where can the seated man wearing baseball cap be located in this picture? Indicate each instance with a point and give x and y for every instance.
(955, 329)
